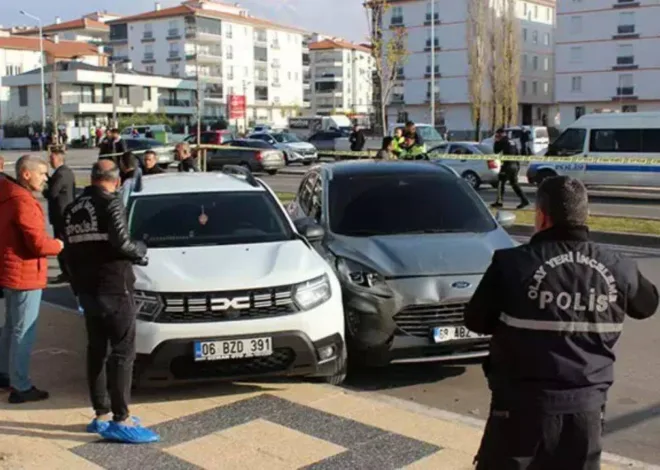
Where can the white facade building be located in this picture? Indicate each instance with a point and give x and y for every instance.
(235, 53)
(341, 78)
(607, 57)
(86, 96)
(411, 98)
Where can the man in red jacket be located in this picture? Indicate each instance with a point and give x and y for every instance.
(24, 246)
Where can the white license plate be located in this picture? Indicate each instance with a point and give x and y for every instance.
(451, 333)
(233, 349)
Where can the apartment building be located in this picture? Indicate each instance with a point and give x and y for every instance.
(446, 21)
(232, 52)
(22, 54)
(341, 76)
(80, 95)
(607, 57)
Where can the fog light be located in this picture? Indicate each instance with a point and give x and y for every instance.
(326, 352)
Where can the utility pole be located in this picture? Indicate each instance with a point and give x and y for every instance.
(56, 104)
(199, 101)
(245, 110)
(43, 64)
(433, 63)
(114, 95)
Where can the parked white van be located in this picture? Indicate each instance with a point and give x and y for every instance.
(613, 135)
(539, 138)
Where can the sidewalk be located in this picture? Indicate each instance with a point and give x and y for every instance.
(267, 425)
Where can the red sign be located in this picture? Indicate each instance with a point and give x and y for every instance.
(236, 106)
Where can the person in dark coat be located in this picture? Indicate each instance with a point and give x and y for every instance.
(151, 164)
(59, 192)
(508, 171)
(555, 308)
(357, 139)
(113, 146)
(186, 161)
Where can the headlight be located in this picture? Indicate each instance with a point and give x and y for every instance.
(361, 276)
(312, 293)
(147, 305)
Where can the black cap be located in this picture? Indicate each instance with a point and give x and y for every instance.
(500, 131)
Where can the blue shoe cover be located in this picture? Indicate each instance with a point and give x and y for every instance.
(97, 426)
(129, 434)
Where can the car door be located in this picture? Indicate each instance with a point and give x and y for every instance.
(324, 141)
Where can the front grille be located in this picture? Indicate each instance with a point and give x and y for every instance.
(201, 307)
(419, 320)
(185, 368)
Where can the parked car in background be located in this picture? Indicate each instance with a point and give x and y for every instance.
(295, 150)
(165, 154)
(329, 140)
(160, 132)
(474, 172)
(539, 139)
(256, 155)
(219, 137)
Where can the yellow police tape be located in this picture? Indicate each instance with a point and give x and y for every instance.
(350, 155)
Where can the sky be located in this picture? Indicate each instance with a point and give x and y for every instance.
(343, 18)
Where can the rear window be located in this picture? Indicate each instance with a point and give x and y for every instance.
(541, 133)
(398, 204)
(221, 218)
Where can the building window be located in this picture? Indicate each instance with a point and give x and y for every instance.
(149, 69)
(626, 85)
(546, 39)
(524, 33)
(230, 73)
(576, 84)
(546, 63)
(629, 108)
(536, 11)
(625, 55)
(535, 88)
(230, 33)
(546, 88)
(576, 25)
(626, 22)
(535, 37)
(579, 112)
(524, 87)
(535, 62)
(230, 52)
(174, 70)
(147, 93)
(174, 49)
(148, 31)
(397, 16)
(22, 96)
(548, 14)
(576, 54)
(524, 62)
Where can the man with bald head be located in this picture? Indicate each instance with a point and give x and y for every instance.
(100, 255)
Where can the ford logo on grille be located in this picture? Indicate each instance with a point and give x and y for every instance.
(461, 285)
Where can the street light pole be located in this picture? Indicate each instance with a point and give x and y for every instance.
(433, 63)
(113, 66)
(43, 79)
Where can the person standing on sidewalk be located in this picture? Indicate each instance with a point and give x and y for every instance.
(357, 139)
(555, 309)
(508, 171)
(24, 246)
(59, 193)
(101, 255)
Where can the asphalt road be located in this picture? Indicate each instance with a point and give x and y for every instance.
(633, 415)
(627, 203)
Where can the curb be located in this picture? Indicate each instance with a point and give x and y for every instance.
(607, 238)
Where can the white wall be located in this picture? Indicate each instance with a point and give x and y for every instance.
(26, 61)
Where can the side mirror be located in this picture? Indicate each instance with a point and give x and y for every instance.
(309, 229)
(505, 219)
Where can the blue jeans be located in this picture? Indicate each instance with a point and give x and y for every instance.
(18, 335)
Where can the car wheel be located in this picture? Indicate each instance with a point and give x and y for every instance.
(472, 179)
(543, 175)
(287, 162)
(271, 172)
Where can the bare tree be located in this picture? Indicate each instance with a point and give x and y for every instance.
(511, 60)
(478, 57)
(388, 47)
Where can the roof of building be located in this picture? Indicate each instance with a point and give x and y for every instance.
(329, 44)
(83, 23)
(187, 9)
(60, 49)
(178, 183)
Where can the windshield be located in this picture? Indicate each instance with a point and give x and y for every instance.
(429, 133)
(397, 204)
(221, 218)
(286, 138)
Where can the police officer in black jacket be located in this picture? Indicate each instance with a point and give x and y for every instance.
(555, 308)
(101, 255)
(508, 171)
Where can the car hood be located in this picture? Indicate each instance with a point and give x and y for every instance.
(423, 255)
(299, 146)
(230, 267)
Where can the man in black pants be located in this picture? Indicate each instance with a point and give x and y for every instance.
(555, 308)
(508, 171)
(101, 255)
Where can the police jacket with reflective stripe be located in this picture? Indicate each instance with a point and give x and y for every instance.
(555, 308)
(98, 249)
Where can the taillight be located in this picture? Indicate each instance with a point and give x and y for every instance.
(493, 164)
(259, 156)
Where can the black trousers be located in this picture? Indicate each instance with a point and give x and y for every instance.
(509, 173)
(110, 322)
(58, 231)
(524, 440)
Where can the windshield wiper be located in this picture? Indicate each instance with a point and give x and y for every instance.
(436, 230)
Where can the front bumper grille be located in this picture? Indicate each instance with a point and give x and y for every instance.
(185, 368)
(227, 305)
(419, 320)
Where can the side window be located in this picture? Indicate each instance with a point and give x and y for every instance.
(570, 142)
(616, 140)
(316, 205)
(651, 140)
(305, 192)
(206, 138)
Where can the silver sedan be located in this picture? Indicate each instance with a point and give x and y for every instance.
(474, 172)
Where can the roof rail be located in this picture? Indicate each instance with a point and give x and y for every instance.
(240, 172)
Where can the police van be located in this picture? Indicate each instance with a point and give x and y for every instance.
(626, 136)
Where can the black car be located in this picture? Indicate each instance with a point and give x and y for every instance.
(409, 242)
(256, 155)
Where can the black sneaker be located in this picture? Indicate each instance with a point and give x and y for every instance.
(496, 205)
(522, 205)
(34, 394)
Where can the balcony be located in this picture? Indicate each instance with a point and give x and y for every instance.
(174, 103)
(398, 98)
(214, 37)
(436, 45)
(328, 77)
(626, 31)
(261, 80)
(397, 21)
(626, 91)
(625, 63)
(148, 58)
(174, 33)
(174, 56)
(276, 84)
(335, 92)
(436, 19)
(275, 45)
(330, 61)
(207, 56)
(626, 4)
(261, 39)
(148, 36)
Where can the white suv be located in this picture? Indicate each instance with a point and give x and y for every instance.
(232, 289)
